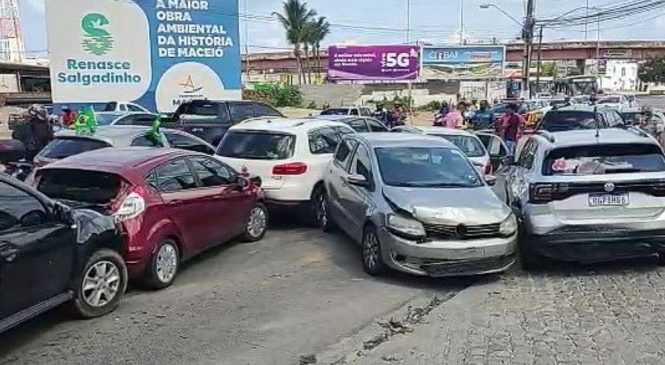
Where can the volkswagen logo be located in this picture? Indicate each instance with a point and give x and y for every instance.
(460, 230)
(609, 187)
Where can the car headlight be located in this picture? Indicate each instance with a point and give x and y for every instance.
(508, 226)
(405, 226)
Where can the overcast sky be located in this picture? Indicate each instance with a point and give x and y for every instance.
(385, 21)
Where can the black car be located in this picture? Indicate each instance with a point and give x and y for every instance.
(209, 120)
(579, 117)
(51, 254)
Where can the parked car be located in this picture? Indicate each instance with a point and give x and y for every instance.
(617, 102)
(587, 196)
(124, 107)
(51, 254)
(290, 156)
(351, 110)
(632, 116)
(124, 118)
(579, 117)
(210, 119)
(68, 142)
(360, 125)
(416, 204)
(467, 142)
(170, 204)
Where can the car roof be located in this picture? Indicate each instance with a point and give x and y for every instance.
(390, 139)
(587, 137)
(131, 163)
(338, 117)
(577, 108)
(447, 131)
(285, 124)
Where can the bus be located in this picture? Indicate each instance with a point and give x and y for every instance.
(576, 85)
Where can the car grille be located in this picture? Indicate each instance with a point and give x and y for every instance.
(467, 267)
(461, 231)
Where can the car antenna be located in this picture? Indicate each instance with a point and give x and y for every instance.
(595, 113)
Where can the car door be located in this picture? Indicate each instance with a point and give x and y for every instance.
(224, 206)
(355, 200)
(376, 126)
(36, 251)
(505, 174)
(518, 189)
(359, 125)
(336, 185)
(187, 142)
(496, 147)
(183, 200)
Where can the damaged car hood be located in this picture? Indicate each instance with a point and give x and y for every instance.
(472, 206)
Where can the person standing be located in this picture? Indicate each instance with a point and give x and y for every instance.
(36, 133)
(455, 119)
(482, 118)
(68, 117)
(511, 126)
(653, 125)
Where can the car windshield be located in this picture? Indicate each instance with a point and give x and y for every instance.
(106, 119)
(604, 159)
(610, 100)
(63, 147)
(423, 167)
(257, 145)
(338, 111)
(471, 146)
(79, 185)
(560, 121)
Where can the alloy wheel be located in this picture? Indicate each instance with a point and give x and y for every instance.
(321, 210)
(257, 222)
(101, 284)
(371, 250)
(166, 264)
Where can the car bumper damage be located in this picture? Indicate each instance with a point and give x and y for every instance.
(441, 258)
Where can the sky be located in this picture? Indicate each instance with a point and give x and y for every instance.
(385, 22)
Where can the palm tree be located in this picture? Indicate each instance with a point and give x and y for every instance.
(322, 29)
(294, 18)
(309, 39)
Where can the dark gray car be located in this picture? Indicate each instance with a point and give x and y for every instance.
(416, 204)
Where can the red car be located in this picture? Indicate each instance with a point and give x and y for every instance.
(169, 204)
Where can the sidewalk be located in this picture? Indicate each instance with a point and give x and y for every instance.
(610, 315)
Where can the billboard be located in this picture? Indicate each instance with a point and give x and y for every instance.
(463, 62)
(157, 53)
(373, 63)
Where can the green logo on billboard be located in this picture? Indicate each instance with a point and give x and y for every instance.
(96, 40)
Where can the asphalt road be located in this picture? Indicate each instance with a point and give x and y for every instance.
(654, 101)
(295, 293)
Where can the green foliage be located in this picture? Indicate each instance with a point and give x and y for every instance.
(653, 70)
(275, 95)
(548, 69)
(312, 105)
(432, 106)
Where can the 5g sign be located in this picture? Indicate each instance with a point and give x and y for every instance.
(394, 59)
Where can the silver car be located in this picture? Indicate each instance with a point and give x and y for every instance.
(587, 195)
(416, 204)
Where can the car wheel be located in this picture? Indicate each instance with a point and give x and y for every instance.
(257, 224)
(371, 253)
(103, 283)
(323, 214)
(529, 259)
(315, 205)
(164, 265)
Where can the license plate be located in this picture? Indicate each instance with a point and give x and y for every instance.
(608, 200)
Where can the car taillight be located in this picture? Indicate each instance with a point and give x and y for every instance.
(488, 168)
(294, 168)
(541, 193)
(131, 206)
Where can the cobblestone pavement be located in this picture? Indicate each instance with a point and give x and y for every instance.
(614, 314)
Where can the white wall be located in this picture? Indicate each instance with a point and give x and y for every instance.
(620, 76)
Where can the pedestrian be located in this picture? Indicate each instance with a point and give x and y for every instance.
(511, 127)
(445, 109)
(381, 113)
(482, 118)
(399, 115)
(36, 133)
(455, 119)
(653, 125)
(68, 116)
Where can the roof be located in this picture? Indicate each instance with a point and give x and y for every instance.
(130, 162)
(587, 137)
(285, 125)
(446, 131)
(389, 139)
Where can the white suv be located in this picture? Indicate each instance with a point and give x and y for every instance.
(289, 155)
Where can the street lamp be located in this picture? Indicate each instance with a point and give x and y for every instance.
(490, 5)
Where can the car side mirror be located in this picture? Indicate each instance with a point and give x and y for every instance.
(240, 183)
(358, 180)
(490, 180)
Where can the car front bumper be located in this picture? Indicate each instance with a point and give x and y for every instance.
(448, 258)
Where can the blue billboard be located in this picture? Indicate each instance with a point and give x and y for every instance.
(157, 53)
(463, 62)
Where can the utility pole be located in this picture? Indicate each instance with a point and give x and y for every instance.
(586, 22)
(461, 22)
(540, 57)
(527, 36)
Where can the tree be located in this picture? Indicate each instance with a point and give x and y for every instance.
(295, 15)
(322, 29)
(653, 70)
(309, 37)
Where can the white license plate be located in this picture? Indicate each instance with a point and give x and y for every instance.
(608, 200)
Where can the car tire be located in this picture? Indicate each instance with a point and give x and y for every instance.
(372, 258)
(164, 265)
(313, 205)
(529, 259)
(324, 220)
(102, 284)
(257, 224)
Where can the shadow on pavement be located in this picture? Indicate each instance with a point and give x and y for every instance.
(615, 267)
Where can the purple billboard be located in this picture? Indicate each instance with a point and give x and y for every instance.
(373, 63)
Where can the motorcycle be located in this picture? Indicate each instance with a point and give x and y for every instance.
(18, 170)
(12, 159)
